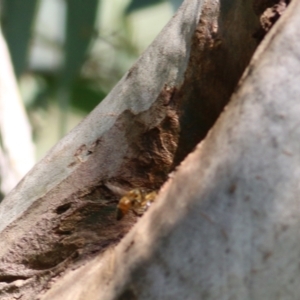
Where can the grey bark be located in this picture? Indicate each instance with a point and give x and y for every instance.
(224, 225)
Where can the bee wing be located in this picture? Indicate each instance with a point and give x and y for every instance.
(118, 191)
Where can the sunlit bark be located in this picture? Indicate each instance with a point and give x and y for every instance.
(225, 224)
(16, 147)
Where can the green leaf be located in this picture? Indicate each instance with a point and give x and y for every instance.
(80, 29)
(17, 21)
(88, 91)
(139, 4)
(81, 17)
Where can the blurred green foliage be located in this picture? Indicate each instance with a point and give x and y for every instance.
(80, 29)
(84, 89)
(17, 19)
(138, 4)
(78, 69)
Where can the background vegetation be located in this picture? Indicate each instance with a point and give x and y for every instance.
(67, 55)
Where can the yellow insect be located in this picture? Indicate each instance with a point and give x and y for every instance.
(136, 200)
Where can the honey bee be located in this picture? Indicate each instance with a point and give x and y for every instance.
(136, 200)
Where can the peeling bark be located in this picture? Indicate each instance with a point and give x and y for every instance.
(226, 226)
(59, 225)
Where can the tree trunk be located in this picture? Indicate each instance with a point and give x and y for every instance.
(16, 146)
(224, 225)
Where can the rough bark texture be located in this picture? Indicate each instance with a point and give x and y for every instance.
(221, 49)
(226, 226)
(60, 220)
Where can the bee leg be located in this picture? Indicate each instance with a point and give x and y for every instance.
(136, 213)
